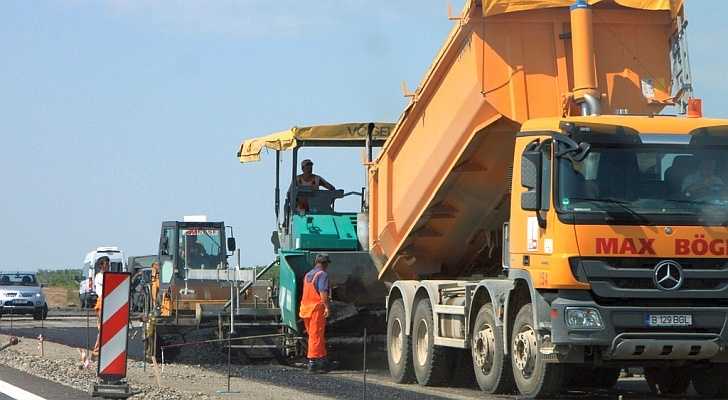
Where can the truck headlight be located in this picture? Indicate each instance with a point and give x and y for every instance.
(583, 318)
(37, 295)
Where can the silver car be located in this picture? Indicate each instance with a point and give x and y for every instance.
(20, 293)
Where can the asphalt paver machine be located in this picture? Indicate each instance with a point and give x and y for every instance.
(300, 235)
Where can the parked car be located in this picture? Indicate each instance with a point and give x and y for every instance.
(21, 293)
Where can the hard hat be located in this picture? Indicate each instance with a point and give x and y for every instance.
(323, 258)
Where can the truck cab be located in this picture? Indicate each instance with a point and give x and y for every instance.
(619, 224)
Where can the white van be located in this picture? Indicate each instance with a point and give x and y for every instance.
(117, 262)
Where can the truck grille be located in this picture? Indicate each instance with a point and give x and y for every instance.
(635, 278)
(649, 263)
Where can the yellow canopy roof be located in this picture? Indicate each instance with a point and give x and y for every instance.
(250, 149)
(495, 7)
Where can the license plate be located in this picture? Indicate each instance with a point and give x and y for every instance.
(669, 320)
(19, 302)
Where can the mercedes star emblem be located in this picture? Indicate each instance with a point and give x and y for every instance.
(668, 275)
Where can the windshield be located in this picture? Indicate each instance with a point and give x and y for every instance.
(200, 248)
(647, 183)
(18, 280)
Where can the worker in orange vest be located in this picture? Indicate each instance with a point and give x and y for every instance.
(314, 310)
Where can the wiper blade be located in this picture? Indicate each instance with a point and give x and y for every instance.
(696, 202)
(601, 200)
(608, 200)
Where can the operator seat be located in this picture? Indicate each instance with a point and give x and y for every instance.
(682, 166)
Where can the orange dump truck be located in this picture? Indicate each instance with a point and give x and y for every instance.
(533, 210)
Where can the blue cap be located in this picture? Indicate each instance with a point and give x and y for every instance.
(579, 4)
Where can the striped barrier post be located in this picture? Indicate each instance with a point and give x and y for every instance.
(113, 336)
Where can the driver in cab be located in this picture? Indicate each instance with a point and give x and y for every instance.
(309, 180)
(704, 182)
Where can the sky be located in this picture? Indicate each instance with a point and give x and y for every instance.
(116, 115)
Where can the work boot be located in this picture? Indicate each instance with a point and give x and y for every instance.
(326, 365)
(313, 366)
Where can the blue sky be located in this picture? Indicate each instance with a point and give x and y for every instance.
(116, 115)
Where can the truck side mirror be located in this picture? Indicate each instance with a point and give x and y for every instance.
(231, 244)
(531, 163)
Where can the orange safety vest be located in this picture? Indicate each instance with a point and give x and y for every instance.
(311, 297)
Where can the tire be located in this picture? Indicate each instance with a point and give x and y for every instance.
(431, 363)
(533, 376)
(399, 348)
(668, 381)
(711, 382)
(491, 366)
(584, 376)
(41, 314)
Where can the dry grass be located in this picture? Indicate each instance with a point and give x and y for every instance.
(61, 297)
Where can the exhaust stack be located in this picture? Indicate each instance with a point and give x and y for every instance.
(582, 44)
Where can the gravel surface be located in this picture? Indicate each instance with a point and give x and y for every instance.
(67, 372)
(202, 381)
(201, 371)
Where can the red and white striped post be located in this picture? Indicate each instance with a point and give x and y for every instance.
(113, 335)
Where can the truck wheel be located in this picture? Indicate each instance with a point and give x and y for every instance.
(490, 364)
(431, 363)
(710, 383)
(399, 350)
(533, 375)
(668, 381)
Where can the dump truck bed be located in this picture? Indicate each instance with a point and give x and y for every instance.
(440, 188)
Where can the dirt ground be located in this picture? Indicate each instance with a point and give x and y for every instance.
(57, 297)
